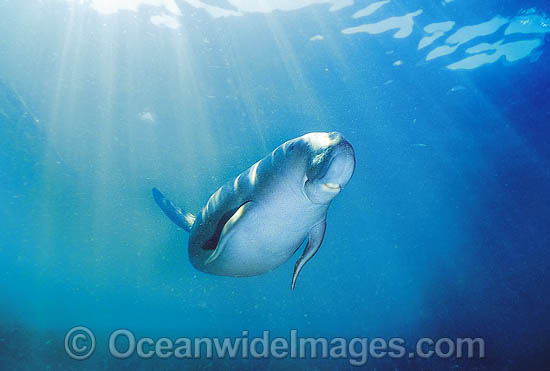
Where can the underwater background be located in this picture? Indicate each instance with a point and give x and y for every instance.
(443, 231)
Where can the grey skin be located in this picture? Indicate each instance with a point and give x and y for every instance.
(257, 221)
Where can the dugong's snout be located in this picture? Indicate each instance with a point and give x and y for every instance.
(341, 164)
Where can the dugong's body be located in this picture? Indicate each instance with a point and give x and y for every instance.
(257, 221)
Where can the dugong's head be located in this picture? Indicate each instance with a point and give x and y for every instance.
(330, 166)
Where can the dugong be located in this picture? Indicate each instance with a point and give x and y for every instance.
(257, 221)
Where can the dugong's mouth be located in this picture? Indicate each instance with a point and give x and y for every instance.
(331, 187)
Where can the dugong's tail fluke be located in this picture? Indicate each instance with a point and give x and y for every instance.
(177, 215)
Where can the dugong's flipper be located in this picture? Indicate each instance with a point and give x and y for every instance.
(315, 239)
(245, 210)
(177, 215)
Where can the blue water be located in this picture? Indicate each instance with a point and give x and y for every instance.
(442, 231)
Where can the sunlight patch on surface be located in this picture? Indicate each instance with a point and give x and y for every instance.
(484, 47)
(370, 9)
(213, 11)
(338, 5)
(403, 24)
(466, 34)
(429, 40)
(440, 26)
(436, 30)
(529, 23)
(512, 51)
(441, 51)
